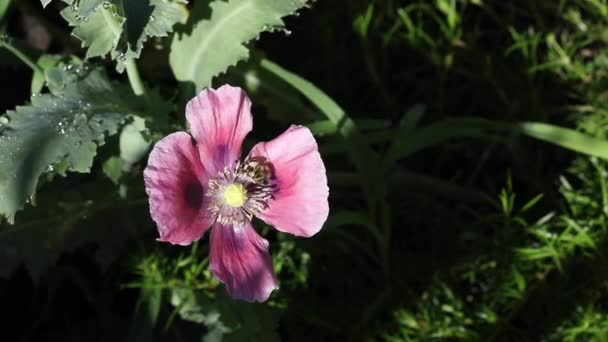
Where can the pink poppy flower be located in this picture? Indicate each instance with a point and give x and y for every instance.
(197, 182)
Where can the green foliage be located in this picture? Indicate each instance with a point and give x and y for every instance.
(121, 27)
(186, 283)
(227, 319)
(360, 154)
(586, 324)
(45, 62)
(77, 221)
(99, 33)
(440, 315)
(63, 127)
(4, 6)
(446, 15)
(216, 43)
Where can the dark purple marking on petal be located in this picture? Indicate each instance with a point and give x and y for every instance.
(276, 187)
(194, 194)
(222, 153)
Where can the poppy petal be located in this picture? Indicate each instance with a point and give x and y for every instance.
(175, 181)
(220, 120)
(300, 204)
(239, 258)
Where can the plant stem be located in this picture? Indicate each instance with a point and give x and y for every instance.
(134, 79)
(136, 83)
(22, 56)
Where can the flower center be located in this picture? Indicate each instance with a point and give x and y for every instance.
(235, 195)
(241, 191)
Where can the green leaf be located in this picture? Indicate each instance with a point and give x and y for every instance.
(57, 78)
(120, 27)
(133, 145)
(84, 8)
(412, 117)
(566, 138)
(344, 124)
(98, 32)
(364, 158)
(4, 6)
(408, 141)
(38, 79)
(217, 43)
(65, 219)
(45, 2)
(283, 103)
(143, 19)
(225, 318)
(61, 127)
(113, 168)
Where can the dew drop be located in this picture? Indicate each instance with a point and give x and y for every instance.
(80, 119)
(62, 126)
(152, 18)
(106, 4)
(3, 120)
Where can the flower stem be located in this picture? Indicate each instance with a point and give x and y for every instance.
(134, 79)
(22, 56)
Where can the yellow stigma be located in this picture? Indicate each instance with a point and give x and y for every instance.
(235, 195)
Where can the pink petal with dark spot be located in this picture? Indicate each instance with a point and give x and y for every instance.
(300, 205)
(219, 121)
(239, 258)
(175, 180)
